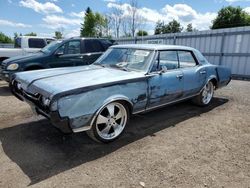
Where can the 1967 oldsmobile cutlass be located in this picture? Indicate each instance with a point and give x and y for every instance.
(127, 79)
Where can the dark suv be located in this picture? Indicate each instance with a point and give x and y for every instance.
(69, 52)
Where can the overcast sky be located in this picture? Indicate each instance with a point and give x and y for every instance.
(46, 16)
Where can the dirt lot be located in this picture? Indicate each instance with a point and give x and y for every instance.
(177, 146)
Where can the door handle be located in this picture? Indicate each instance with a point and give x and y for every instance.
(179, 76)
(81, 57)
(203, 72)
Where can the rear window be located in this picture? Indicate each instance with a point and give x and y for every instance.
(36, 43)
(93, 46)
(106, 44)
(186, 59)
(17, 42)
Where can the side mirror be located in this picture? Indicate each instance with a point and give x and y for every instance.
(58, 54)
(163, 70)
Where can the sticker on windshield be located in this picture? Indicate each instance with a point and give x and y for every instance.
(141, 53)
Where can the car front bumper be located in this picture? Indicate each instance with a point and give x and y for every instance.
(4, 75)
(62, 123)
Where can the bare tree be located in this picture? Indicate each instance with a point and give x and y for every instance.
(117, 15)
(133, 15)
(125, 26)
(109, 25)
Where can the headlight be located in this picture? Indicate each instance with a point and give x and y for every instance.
(13, 66)
(45, 101)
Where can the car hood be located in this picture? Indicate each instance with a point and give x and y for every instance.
(50, 82)
(24, 58)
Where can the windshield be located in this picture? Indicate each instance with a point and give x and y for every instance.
(51, 47)
(126, 59)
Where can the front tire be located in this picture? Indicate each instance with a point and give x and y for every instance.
(206, 95)
(110, 122)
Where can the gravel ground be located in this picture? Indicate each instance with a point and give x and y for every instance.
(178, 146)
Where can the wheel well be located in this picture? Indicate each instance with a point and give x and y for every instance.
(3, 58)
(214, 81)
(128, 104)
(34, 67)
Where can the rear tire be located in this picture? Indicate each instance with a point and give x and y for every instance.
(206, 95)
(110, 122)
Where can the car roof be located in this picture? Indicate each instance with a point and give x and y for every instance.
(153, 47)
(36, 37)
(84, 38)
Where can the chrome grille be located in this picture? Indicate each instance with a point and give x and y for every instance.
(3, 65)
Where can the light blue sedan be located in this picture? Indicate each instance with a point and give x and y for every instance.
(125, 80)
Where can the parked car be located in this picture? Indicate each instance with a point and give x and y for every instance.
(125, 80)
(24, 45)
(69, 52)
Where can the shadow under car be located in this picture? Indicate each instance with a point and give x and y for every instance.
(41, 151)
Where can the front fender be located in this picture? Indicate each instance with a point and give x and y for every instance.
(117, 98)
(81, 108)
(32, 64)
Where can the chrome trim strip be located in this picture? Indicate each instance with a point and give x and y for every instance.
(175, 101)
(159, 106)
(80, 129)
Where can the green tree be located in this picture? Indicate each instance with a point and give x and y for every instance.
(31, 34)
(231, 17)
(5, 39)
(159, 27)
(88, 26)
(142, 33)
(58, 34)
(100, 24)
(173, 27)
(94, 24)
(190, 28)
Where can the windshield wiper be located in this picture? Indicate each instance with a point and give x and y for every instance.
(41, 51)
(99, 64)
(119, 67)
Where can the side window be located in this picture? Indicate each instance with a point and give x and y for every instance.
(73, 47)
(186, 59)
(36, 43)
(61, 49)
(93, 46)
(168, 60)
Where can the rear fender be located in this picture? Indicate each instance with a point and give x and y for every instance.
(223, 75)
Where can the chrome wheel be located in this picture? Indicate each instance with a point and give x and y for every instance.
(111, 121)
(207, 93)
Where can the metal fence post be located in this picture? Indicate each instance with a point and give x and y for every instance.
(174, 42)
(222, 48)
(135, 40)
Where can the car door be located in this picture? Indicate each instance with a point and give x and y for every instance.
(69, 54)
(92, 50)
(194, 75)
(165, 80)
